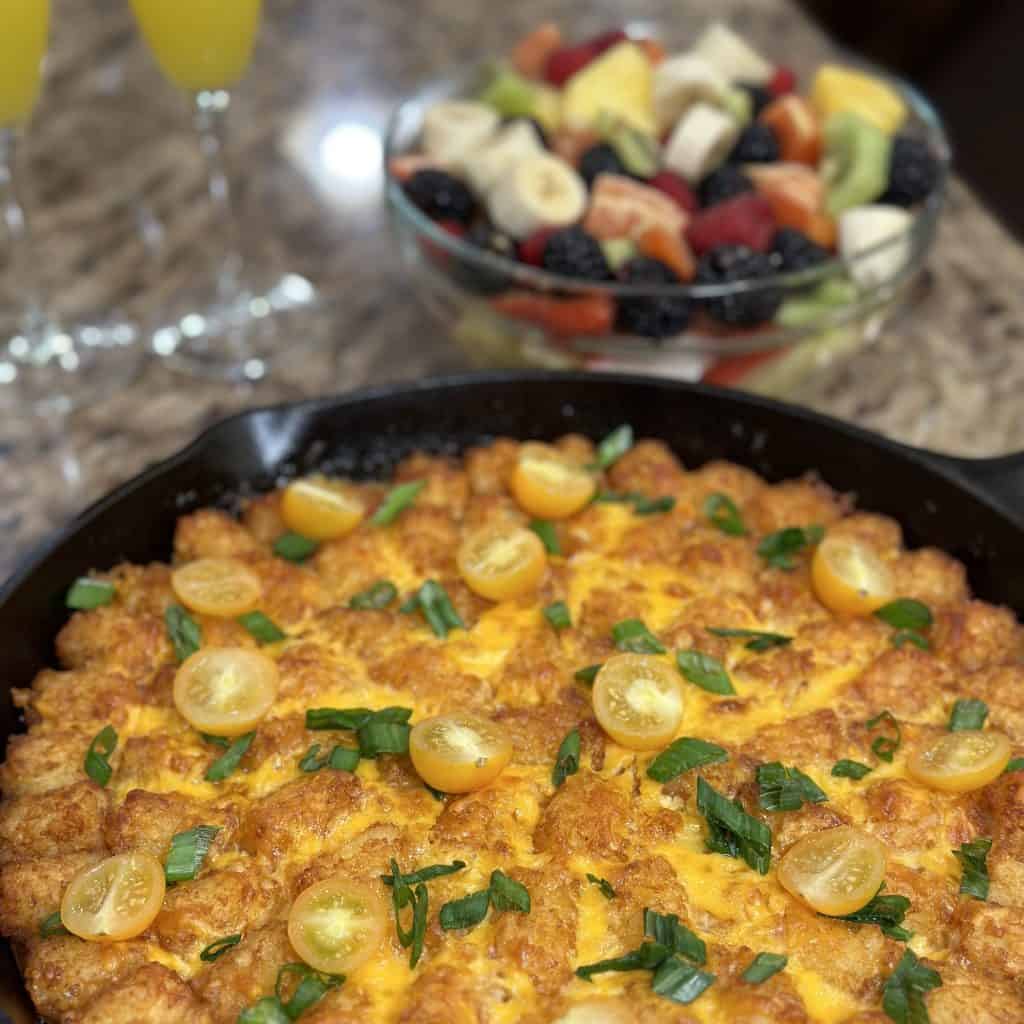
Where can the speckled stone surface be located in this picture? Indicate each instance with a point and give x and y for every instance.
(121, 216)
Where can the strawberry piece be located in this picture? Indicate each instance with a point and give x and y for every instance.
(565, 62)
(796, 127)
(606, 40)
(726, 372)
(530, 55)
(453, 227)
(743, 220)
(563, 317)
(783, 82)
(667, 246)
(676, 188)
(531, 250)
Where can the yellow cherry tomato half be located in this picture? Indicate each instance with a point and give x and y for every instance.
(115, 899)
(638, 701)
(548, 484)
(960, 761)
(836, 871)
(217, 586)
(500, 563)
(460, 752)
(849, 578)
(337, 924)
(320, 509)
(225, 691)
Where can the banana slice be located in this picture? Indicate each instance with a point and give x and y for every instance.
(863, 228)
(542, 191)
(701, 141)
(455, 128)
(732, 55)
(514, 143)
(681, 81)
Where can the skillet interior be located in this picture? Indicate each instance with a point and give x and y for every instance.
(365, 434)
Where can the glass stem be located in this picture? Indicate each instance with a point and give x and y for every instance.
(210, 116)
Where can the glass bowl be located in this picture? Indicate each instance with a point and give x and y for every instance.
(504, 313)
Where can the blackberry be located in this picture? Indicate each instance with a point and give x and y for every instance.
(654, 316)
(728, 264)
(574, 253)
(485, 280)
(600, 159)
(913, 172)
(726, 182)
(793, 250)
(440, 196)
(538, 128)
(757, 145)
(760, 97)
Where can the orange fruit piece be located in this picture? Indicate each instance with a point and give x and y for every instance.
(565, 318)
(623, 208)
(530, 54)
(654, 50)
(796, 127)
(796, 194)
(661, 244)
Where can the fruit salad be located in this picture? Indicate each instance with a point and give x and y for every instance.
(699, 177)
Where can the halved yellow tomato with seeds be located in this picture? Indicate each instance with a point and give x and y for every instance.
(320, 509)
(337, 924)
(638, 701)
(217, 586)
(834, 872)
(548, 484)
(115, 899)
(849, 578)
(460, 752)
(503, 562)
(960, 761)
(225, 691)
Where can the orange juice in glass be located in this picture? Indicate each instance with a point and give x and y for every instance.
(24, 25)
(200, 44)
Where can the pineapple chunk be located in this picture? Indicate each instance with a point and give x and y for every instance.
(620, 82)
(838, 89)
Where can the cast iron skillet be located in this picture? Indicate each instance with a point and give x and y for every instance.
(972, 509)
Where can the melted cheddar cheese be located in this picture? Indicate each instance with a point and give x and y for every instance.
(805, 703)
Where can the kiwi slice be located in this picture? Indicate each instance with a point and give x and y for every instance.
(510, 94)
(638, 152)
(856, 166)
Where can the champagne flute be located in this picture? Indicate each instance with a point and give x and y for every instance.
(218, 324)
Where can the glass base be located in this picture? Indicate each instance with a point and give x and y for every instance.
(243, 337)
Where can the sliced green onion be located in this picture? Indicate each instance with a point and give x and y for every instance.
(183, 631)
(778, 548)
(632, 635)
(1016, 765)
(603, 884)
(354, 718)
(643, 506)
(786, 789)
(188, 851)
(666, 930)
(229, 760)
(587, 675)
(508, 894)
(763, 966)
(679, 981)
(85, 594)
(425, 874)
(404, 895)
(267, 1010)
(397, 501)
(381, 737)
(732, 831)
(704, 671)
(548, 535)
(757, 641)
(377, 596)
(567, 760)
(557, 615)
(683, 755)
(968, 714)
(722, 512)
(466, 912)
(311, 761)
(910, 636)
(649, 956)
(433, 601)
(884, 747)
(614, 446)
(312, 987)
(52, 925)
(217, 741)
(903, 992)
(905, 613)
(343, 759)
(887, 912)
(97, 757)
(293, 547)
(847, 769)
(973, 857)
(262, 629)
(219, 947)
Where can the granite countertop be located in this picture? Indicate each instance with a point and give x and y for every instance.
(120, 207)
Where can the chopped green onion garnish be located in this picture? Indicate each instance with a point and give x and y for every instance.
(666, 930)
(777, 549)
(379, 736)
(188, 851)
(603, 884)
(217, 741)
(679, 981)
(903, 993)
(219, 947)
(311, 761)
(757, 641)
(910, 636)
(905, 613)
(262, 629)
(558, 615)
(267, 1010)
(466, 912)
(1016, 765)
(433, 601)
(974, 864)
(786, 789)
(567, 760)
(682, 755)
(343, 759)
(763, 966)
(649, 956)
(632, 635)
(847, 769)
(228, 761)
(293, 547)
(354, 718)
(548, 535)
(52, 925)
(614, 446)
(704, 671)
(85, 594)
(398, 499)
(183, 631)
(312, 987)
(425, 874)
(508, 894)
(642, 505)
(375, 597)
(884, 747)
(967, 714)
(404, 895)
(887, 912)
(587, 675)
(721, 510)
(732, 831)
(97, 757)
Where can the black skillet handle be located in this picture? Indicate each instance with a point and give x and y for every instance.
(1000, 479)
